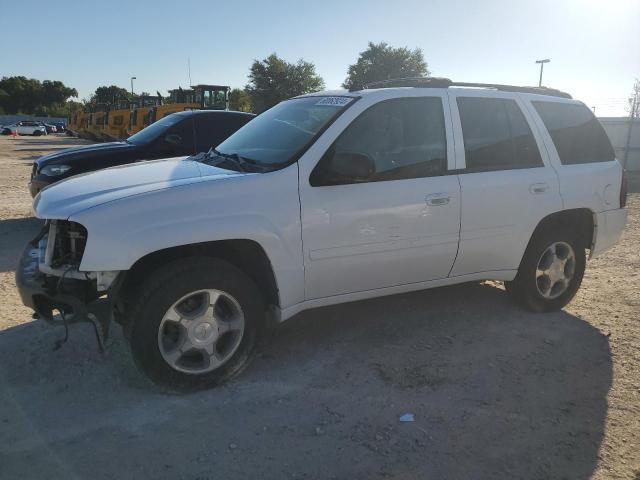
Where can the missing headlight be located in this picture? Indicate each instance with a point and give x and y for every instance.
(69, 244)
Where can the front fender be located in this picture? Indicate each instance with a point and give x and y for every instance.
(263, 208)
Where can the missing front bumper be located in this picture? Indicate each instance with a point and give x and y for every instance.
(76, 300)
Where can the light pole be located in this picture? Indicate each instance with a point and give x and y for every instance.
(132, 79)
(542, 62)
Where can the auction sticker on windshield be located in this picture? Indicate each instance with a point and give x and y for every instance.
(335, 101)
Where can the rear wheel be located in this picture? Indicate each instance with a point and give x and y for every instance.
(550, 273)
(194, 323)
(37, 133)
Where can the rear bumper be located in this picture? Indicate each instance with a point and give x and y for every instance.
(609, 228)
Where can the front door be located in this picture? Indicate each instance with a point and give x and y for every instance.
(397, 225)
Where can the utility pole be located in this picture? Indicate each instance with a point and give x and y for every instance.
(542, 62)
(635, 104)
(132, 79)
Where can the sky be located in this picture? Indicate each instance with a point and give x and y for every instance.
(593, 45)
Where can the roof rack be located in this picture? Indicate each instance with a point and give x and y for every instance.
(439, 82)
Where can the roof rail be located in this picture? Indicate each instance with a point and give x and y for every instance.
(438, 82)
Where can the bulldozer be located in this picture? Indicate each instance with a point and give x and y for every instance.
(204, 97)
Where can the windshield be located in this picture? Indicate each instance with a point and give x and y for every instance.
(154, 130)
(276, 136)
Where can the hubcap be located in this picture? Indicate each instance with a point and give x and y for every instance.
(201, 331)
(556, 268)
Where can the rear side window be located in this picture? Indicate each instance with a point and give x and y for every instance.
(496, 135)
(576, 133)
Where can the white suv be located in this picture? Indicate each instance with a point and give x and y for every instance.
(328, 198)
(28, 127)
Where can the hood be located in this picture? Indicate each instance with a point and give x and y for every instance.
(70, 196)
(85, 151)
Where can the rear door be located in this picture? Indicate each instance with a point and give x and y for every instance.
(507, 182)
(582, 154)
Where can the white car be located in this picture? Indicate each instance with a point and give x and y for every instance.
(28, 127)
(329, 198)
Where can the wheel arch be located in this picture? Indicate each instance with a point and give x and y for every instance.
(247, 255)
(580, 220)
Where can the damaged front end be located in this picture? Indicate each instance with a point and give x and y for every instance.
(49, 279)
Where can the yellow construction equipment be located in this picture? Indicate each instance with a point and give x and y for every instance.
(97, 114)
(206, 97)
(139, 115)
(75, 122)
(122, 118)
(117, 120)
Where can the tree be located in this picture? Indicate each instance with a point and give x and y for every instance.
(383, 62)
(634, 101)
(28, 95)
(109, 94)
(273, 80)
(239, 100)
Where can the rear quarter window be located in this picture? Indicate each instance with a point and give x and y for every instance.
(576, 133)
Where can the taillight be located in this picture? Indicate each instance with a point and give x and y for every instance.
(623, 190)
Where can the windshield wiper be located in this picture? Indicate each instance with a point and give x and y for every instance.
(243, 164)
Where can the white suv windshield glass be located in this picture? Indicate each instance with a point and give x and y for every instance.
(276, 136)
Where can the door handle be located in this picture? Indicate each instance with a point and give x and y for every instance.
(437, 199)
(538, 188)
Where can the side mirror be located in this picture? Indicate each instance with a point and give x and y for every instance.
(350, 167)
(173, 139)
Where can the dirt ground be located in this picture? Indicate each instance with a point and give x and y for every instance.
(497, 393)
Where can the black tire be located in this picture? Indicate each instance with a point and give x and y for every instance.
(37, 133)
(524, 288)
(163, 287)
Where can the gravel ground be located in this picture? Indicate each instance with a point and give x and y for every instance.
(496, 392)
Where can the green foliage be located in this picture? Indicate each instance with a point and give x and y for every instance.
(383, 62)
(109, 94)
(273, 80)
(239, 100)
(28, 95)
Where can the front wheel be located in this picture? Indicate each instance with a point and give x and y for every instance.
(194, 323)
(550, 273)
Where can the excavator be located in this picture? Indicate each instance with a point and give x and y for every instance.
(204, 97)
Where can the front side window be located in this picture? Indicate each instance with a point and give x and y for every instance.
(279, 135)
(576, 133)
(496, 135)
(401, 138)
(153, 131)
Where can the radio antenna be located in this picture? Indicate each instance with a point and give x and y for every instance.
(189, 70)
